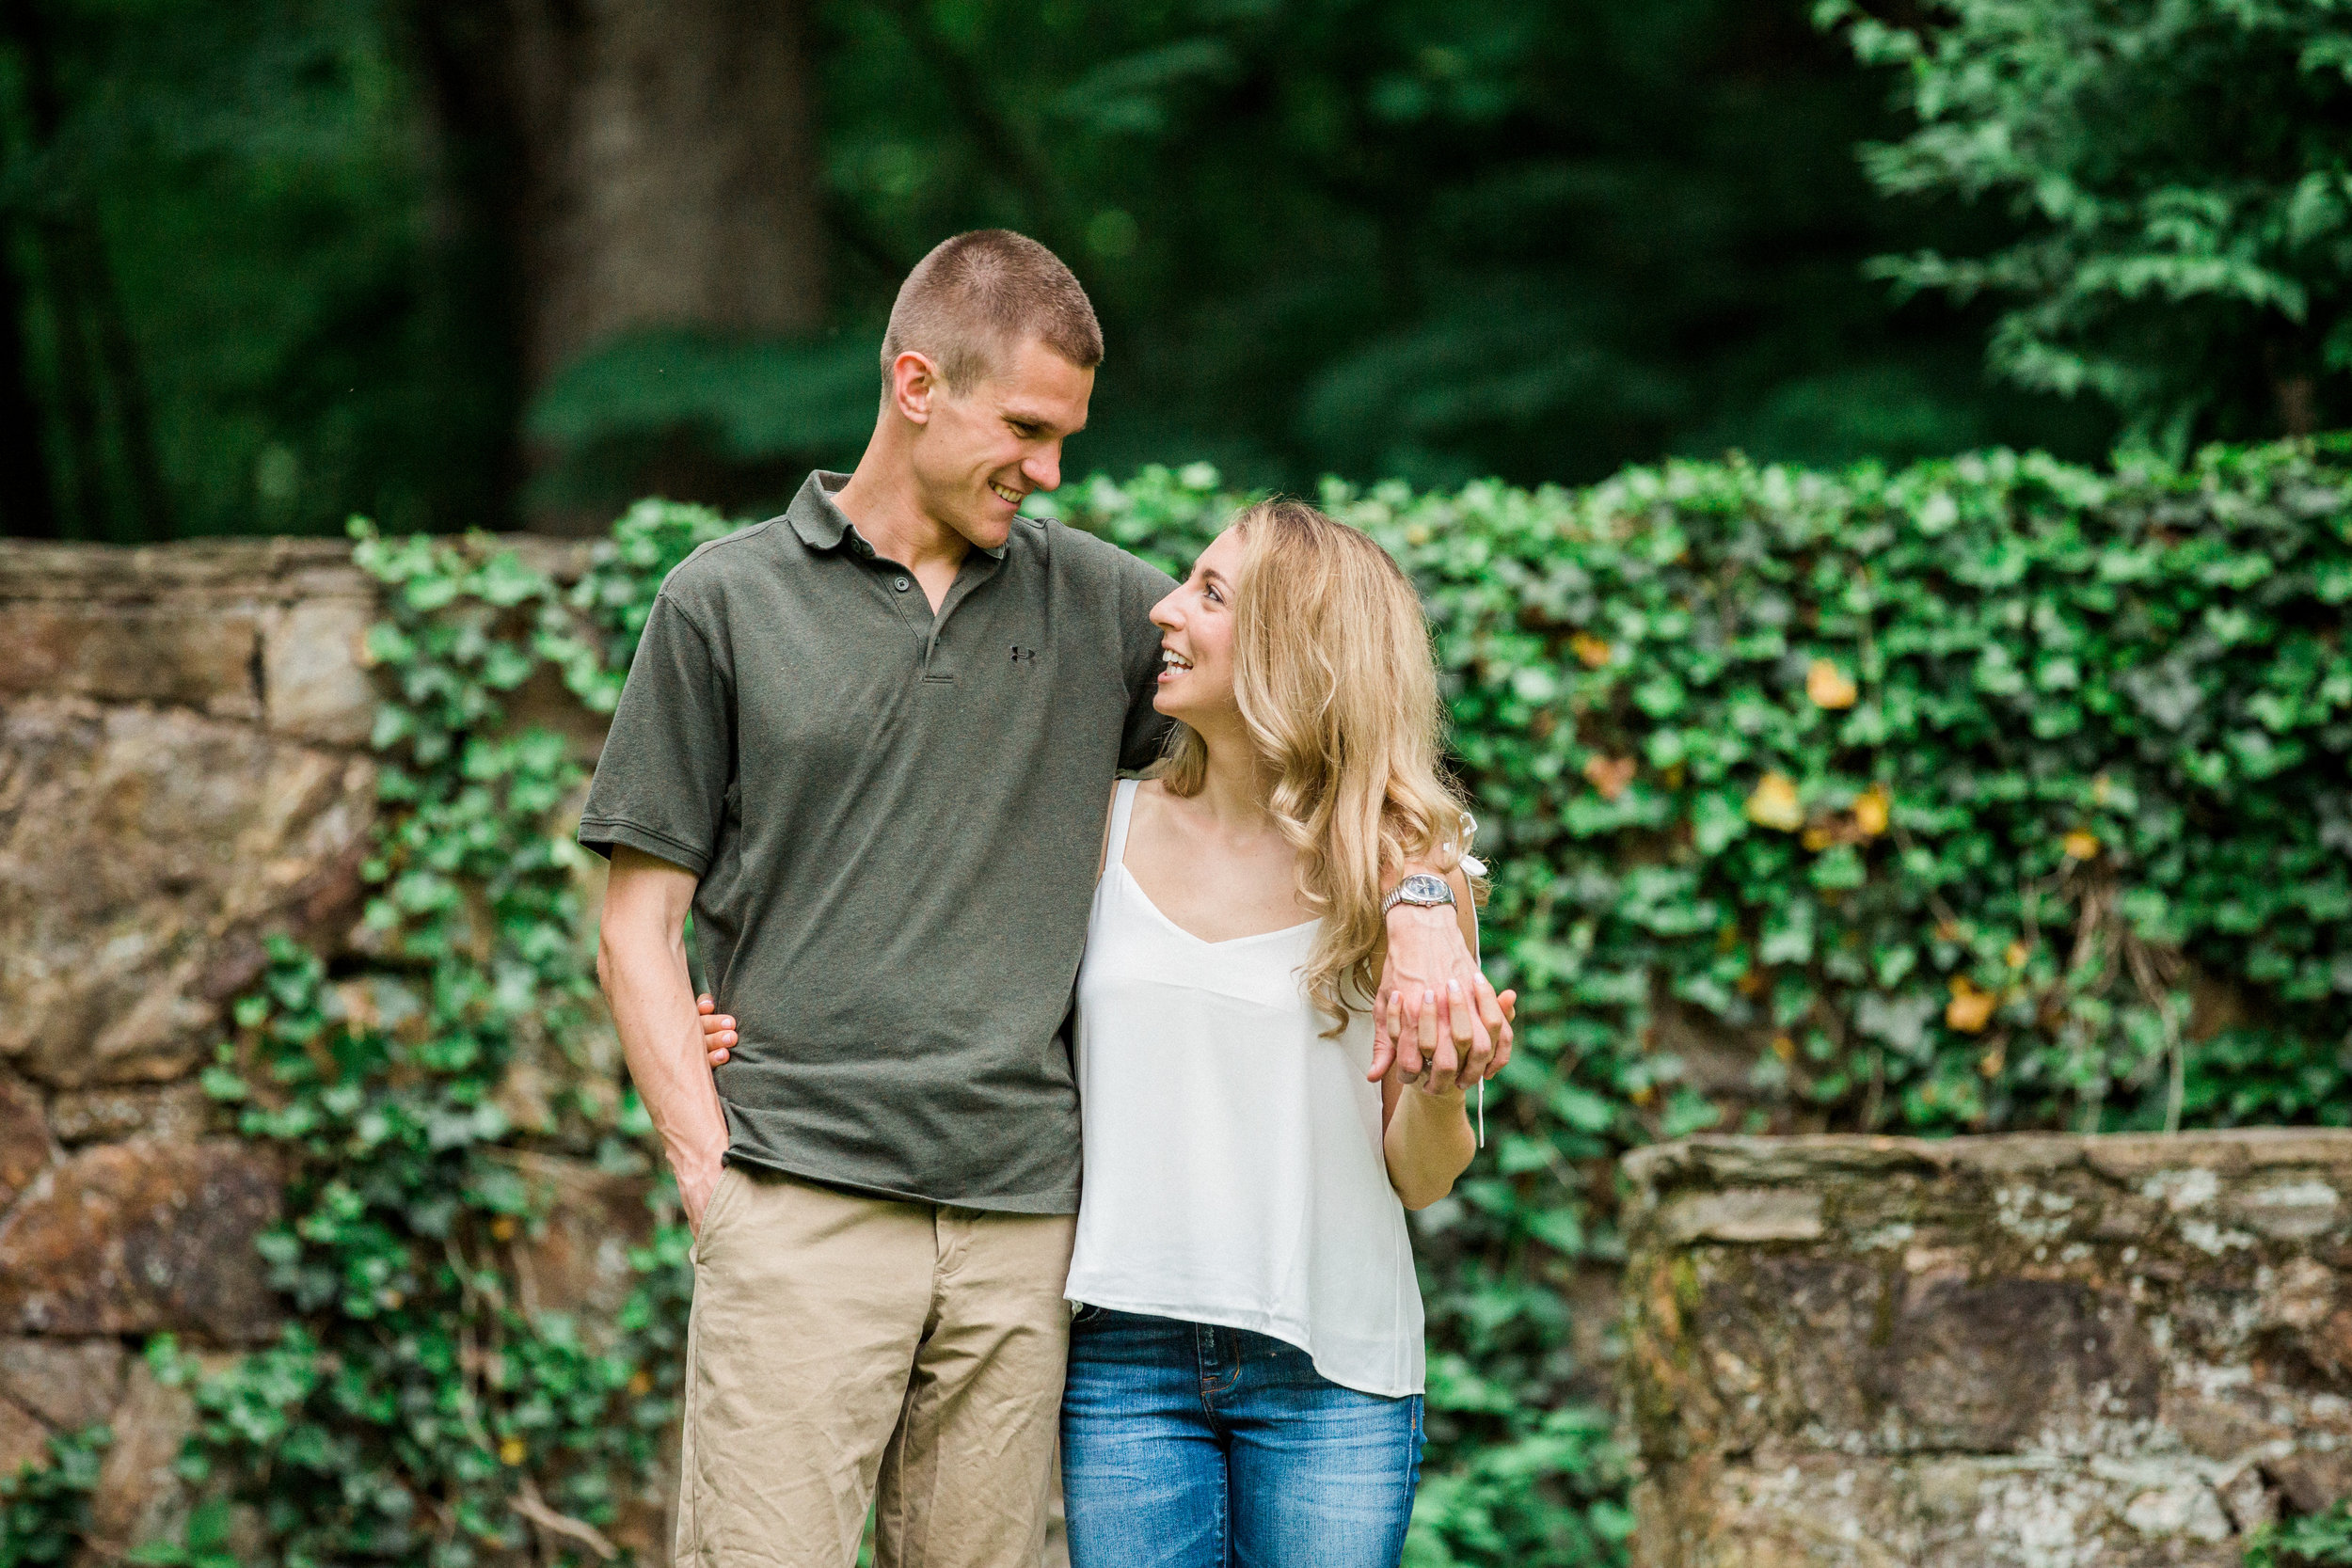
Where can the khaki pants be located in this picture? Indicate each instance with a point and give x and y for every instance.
(846, 1352)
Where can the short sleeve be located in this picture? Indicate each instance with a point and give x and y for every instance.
(1141, 585)
(662, 780)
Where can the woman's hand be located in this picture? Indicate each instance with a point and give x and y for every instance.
(1449, 1058)
(718, 1029)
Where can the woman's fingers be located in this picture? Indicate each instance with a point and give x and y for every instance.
(1388, 1038)
(1410, 1055)
(719, 1035)
(1476, 1050)
(1437, 1032)
(1509, 1004)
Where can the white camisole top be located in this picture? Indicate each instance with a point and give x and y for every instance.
(1234, 1165)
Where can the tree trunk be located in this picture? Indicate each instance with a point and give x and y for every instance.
(28, 491)
(671, 172)
(96, 364)
(463, 51)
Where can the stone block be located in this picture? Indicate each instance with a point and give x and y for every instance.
(2043, 1351)
(188, 655)
(140, 1497)
(180, 1111)
(144, 854)
(24, 1147)
(1746, 1215)
(575, 1261)
(138, 1237)
(314, 677)
(22, 1439)
(68, 1384)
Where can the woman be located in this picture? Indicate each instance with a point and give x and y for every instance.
(1246, 1363)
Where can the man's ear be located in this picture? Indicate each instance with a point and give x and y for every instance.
(913, 383)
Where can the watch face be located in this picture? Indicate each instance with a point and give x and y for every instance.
(1422, 888)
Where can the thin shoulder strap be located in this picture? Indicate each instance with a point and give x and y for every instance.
(1122, 813)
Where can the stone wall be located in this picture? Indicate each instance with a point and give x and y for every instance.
(2040, 1351)
(183, 771)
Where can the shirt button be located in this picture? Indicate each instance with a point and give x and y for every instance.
(902, 585)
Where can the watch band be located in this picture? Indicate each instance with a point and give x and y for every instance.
(1421, 890)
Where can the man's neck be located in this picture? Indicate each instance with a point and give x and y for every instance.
(881, 502)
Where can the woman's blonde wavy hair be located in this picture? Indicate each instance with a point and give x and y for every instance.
(1333, 672)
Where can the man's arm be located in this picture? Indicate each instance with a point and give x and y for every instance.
(641, 960)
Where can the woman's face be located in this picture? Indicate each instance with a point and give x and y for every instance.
(1195, 624)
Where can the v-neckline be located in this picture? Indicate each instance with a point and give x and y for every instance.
(1194, 937)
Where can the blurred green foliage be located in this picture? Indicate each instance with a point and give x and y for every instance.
(1387, 237)
(1356, 236)
(44, 1506)
(2181, 178)
(1988, 793)
(2321, 1539)
(246, 194)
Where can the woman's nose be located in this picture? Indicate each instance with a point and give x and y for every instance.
(1164, 613)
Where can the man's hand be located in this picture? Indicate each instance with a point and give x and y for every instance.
(1429, 970)
(696, 1180)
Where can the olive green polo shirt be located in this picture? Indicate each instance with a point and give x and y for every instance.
(895, 818)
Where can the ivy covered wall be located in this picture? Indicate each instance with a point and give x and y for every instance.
(1985, 794)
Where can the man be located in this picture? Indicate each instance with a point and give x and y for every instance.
(869, 744)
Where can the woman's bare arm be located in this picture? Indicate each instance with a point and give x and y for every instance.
(1426, 1132)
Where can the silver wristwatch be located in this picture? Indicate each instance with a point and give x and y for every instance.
(1422, 891)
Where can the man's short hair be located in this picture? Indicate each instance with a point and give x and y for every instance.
(980, 294)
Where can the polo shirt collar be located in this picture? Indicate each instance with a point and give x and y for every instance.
(822, 525)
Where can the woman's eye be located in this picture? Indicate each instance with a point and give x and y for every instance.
(1213, 596)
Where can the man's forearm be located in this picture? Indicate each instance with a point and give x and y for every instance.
(652, 996)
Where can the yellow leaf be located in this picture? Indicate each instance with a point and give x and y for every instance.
(1828, 687)
(641, 1384)
(1775, 805)
(1970, 1010)
(2082, 844)
(1610, 775)
(1990, 1063)
(513, 1451)
(1817, 839)
(1593, 651)
(1784, 1048)
(2015, 954)
(503, 1228)
(2101, 787)
(1870, 810)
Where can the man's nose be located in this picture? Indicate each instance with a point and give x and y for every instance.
(1044, 467)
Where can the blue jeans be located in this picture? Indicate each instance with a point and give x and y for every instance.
(1189, 1446)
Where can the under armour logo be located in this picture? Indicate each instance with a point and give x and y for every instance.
(1020, 655)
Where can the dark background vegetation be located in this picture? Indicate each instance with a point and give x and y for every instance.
(459, 264)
